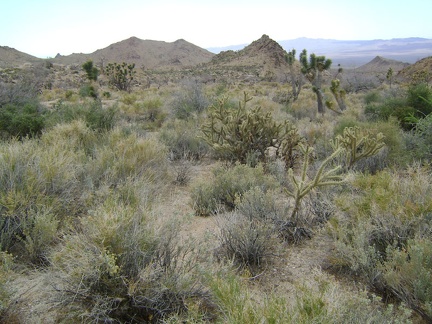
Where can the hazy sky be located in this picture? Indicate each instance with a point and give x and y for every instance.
(44, 28)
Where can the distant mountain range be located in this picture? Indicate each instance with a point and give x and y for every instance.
(354, 53)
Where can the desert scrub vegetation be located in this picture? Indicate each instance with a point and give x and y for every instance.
(46, 184)
(387, 216)
(121, 268)
(89, 205)
(408, 106)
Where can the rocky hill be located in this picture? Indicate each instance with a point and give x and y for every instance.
(382, 64)
(149, 54)
(263, 59)
(421, 71)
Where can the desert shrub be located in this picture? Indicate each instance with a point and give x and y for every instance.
(245, 135)
(371, 97)
(420, 98)
(129, 99)
(22, 120)
(408, 274)
(182, 140)
(96, 117)
(259, 205)
(380, 216)
(247, 242)
(88, 90)
(183, 172)
(149, 113)
(122, 156)
(391, 107)
(121, 269)
(40, 186)
(19, 93)
(227, 185)
(190, 100)
(406, 107)
(419, 140)
(6, 261)
(327, 303)
(99, 118)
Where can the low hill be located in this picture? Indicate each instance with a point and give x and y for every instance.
(11, 57)
(149, 54)
(382, 64)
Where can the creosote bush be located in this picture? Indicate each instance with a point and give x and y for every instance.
(22, 120)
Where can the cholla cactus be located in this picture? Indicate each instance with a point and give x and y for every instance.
(357, 144)
(302, 185)
(245, 135)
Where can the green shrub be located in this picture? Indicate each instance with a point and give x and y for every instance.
(22, 120)
(96, 117)
(420, 98)
(227, 185)
(372, 97)
(99, 118)
(88, 90)
(153, 114)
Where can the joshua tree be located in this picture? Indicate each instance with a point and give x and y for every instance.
(92, 72)
(389, 76)
(121, 75)
(296, 78)
(338, 93)
(313, 69)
